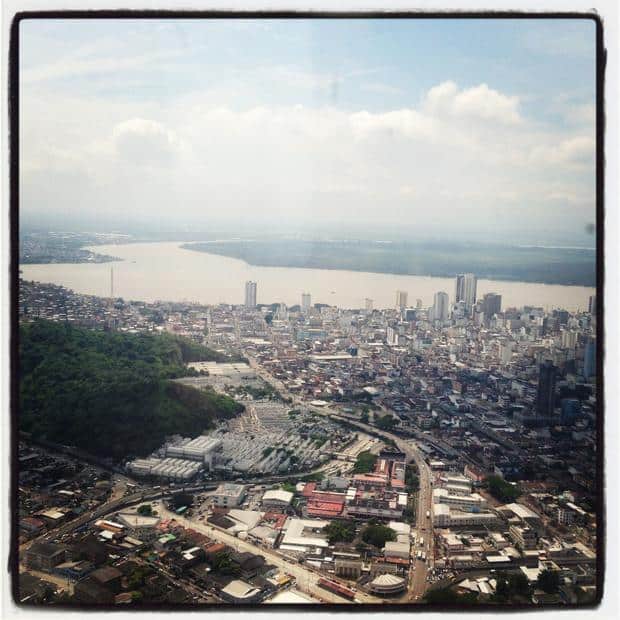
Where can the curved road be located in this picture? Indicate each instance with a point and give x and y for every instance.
(424, 526)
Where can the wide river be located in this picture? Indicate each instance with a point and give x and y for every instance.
(167, 272)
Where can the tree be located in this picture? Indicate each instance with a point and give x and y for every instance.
(377, 535)
(549, 581)
(365, 462)
(145, 510)
(364, 417)
(386, 422)
(111, 394)
(502, 490)
(340, 531)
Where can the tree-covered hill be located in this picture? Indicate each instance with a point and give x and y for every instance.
(110, 393)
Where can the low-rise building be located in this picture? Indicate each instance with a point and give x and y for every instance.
(229, 495)
(277, 498)
(44, 556)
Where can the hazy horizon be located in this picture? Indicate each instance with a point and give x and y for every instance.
(470, 129)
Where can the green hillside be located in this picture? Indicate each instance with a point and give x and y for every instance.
(110, 393)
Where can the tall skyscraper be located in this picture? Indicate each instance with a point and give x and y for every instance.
(401, 299)
(589, 359)
(440, 307)
(306, 302)
(571, 410)
(592, 305)
(250, 294)
(491, 304)
(368, 303)
(465, 289)
(545, 397)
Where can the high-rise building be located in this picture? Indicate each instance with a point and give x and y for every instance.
(592, 305)
(418, 304)
(401, 299)
(440, 306)
(465, 289)
(571, 409)
(589, 359)
(250, 294)
(491, 304)
(569, 339)
(306, 302)
(505, 352)
(392, 336)
(368, 303)
(545, 397)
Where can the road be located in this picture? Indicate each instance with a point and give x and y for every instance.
(424, 526)
(306, 578)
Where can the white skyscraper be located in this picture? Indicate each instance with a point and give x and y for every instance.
(401, 299)
(465, 289)
(441, 307)
(368, 304)
(306, 302)
(250, 294)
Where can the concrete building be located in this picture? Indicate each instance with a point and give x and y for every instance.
(465, 290)
(401, 300)
(440, 310)
(250, 294)
(199, 449)
(228, 495)
(491, 305)
(445, 516)
(142, 527)
(303, 534)
(277, 498)
(349, 569)
(462, 502)
(524, 537)
(44, 556)
(306, 302)
(397, 550)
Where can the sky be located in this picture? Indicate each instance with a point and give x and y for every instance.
(475, 129)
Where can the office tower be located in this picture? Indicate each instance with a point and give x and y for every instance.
(410, 314)
(592, 305)
(570, 411)
(491, 304)
(545, 397)
(282, 312)
(305, 302)
(250, 294)
(505, 353)
(465, 289)
(589, 359)
(368, 304)
(392, 336)
(401, 299)
(418, 304)
(569, 339)
(440, 306)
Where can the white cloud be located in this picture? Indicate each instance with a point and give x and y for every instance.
(581, 114)
(141, 141)
(463, 151)
(478, 102)
(577, 151)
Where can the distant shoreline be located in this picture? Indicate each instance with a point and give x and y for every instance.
(329, 257)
